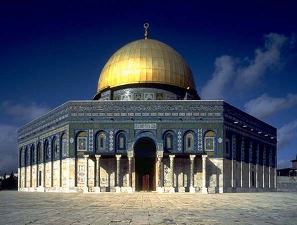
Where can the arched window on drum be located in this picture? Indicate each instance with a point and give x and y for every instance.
(189, 141)
(81, 141)
(121, 141)
(168, 141)
(209, 140)
(101, 141)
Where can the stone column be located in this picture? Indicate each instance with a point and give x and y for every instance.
(257, 164)
(250, 183)
(51, 164)
(31, 172)
(37, 173)
(242, 150)
(159, 173)
(241, 178)
(44, 172)
(25, 183)
(117, 181)
(97, 174)
(250, 159)
(269, 168)
(192, 188)
(171, 157)
(19, 178)
(204, 188)
(129, 180)
(233, 159)
(37, 167)
(232, 173)
(86, 187)
(269, 174)
(263, 168)
(275, 177)
(60, 167)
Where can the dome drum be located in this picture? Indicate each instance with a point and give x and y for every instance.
(147, 92)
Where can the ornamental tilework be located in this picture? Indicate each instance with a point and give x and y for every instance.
(91, 140)
(179, 141)
(50, 149)
(111, 141)
(200, 140)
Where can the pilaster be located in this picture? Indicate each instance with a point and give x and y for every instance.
(86, 186)
(129, 180)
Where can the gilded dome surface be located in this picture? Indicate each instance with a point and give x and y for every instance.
(146, 61)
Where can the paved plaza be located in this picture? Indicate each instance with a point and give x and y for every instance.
(147, 208)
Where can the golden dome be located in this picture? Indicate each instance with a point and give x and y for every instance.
(146, 61)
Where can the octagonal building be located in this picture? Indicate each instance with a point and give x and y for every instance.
(147, 130)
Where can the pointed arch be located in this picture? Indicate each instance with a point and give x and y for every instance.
(101, 141)
(168, 140)
(189, 141)
(82, 141)
(121, 141)
(209, 140)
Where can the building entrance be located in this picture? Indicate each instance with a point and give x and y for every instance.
(145, 161)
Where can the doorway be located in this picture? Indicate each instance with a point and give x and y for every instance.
(145, 161)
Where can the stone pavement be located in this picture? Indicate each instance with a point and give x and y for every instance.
(147, 208)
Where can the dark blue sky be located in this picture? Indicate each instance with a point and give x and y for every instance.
(51, 52)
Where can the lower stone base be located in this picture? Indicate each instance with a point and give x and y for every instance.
(85, 189)
(192, 190)
(204, 190)
(129, 189)
(221, 190)
(172, 190)
(181, 189)
(117, 189)
(160, 189)
(97, 189)
(244, 189)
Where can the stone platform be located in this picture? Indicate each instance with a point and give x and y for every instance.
(147, 208)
